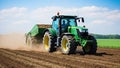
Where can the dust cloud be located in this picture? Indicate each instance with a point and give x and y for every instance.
(16, 41)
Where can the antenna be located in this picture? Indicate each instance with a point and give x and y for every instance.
(58, 13)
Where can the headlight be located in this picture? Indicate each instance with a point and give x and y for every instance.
(83, 30)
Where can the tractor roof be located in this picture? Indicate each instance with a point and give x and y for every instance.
(64, 16)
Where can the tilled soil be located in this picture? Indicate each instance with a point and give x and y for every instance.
(104, 58)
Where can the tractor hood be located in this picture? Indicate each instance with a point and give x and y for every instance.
(80, 34)
(78, 31)
(80, 28)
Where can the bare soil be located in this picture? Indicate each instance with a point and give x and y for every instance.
(15, 54)
(104, 58)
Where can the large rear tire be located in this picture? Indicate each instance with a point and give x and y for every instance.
(48, 42)
(90, 48)
(31, 42)
(68, 44)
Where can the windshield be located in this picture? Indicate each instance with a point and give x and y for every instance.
(68, 22)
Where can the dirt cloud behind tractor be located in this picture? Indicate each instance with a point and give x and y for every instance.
(16, 41)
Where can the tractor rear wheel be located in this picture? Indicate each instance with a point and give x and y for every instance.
(29, 41)
(90, 48)
(48, 42)
(68, 44)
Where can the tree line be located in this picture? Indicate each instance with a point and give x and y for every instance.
(100, 36)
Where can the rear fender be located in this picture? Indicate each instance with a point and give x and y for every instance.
(52, 31)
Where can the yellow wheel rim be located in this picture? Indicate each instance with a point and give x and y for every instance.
(64, 44)
(46, 42)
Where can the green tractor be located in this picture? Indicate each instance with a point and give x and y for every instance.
(65, 34)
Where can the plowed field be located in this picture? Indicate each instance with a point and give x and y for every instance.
(105, 58)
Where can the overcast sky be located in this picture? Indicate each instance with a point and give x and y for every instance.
(19, 16)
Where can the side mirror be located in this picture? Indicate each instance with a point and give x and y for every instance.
(82, 19)
(79, 20)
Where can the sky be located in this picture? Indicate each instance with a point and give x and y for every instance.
(19, 16)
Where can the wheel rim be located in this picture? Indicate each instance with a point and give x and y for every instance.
(64, 44)
(46, 42)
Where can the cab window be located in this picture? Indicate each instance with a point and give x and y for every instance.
(55, 24)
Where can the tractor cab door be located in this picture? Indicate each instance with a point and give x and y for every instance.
(55, 24)
(64, 25)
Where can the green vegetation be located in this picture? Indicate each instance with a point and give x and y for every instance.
(99, 36)
(109, 43)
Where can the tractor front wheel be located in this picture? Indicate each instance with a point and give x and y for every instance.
(68, 44)
(90, 48)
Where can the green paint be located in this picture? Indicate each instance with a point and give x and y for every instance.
(36, 31)
(52, 31)
(73, 30)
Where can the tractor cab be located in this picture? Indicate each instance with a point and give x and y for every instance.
(62, 22)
